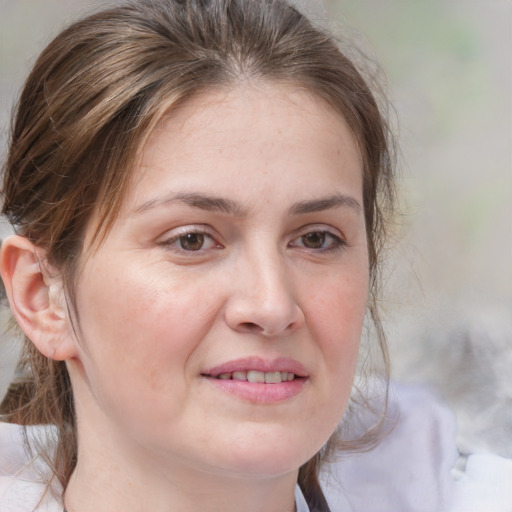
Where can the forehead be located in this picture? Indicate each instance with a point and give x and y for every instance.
(253, 133)
(246, 107)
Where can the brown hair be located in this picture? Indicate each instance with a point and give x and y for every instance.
(87, 108)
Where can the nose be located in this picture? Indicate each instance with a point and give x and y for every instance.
(264, 301)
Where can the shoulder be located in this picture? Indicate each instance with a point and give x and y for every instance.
(22, 483)
(411, 467)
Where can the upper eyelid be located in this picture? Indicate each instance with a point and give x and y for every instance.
(338, 238)
(184, 230)
(322, 228)
(175, 234)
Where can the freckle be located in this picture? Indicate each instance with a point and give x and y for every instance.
(152, 377)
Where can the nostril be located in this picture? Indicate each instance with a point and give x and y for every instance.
(250, 327)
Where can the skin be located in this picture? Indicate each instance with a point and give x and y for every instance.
(267, 278)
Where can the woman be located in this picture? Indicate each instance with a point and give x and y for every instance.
(200, 191)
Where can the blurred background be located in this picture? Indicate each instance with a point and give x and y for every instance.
(448, 300)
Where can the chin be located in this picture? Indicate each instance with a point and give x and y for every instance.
(264, 455)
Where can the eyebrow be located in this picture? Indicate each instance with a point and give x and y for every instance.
(197, 200)
(327, 203)
(220, 204)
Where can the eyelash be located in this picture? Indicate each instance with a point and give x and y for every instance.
(337, 243)
(175, 242)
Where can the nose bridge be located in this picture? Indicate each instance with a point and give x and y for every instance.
(269, 278)
(264, 299)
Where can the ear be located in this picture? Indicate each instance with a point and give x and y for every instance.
(36, 296)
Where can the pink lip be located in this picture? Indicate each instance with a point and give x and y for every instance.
(259, 393)
(281, 364)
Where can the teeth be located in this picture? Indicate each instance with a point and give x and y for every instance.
(258, 377)
(253, 376)
(273, 377)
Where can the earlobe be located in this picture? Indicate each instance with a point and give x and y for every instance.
(36, 297)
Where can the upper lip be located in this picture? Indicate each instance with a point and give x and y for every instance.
(258, 364)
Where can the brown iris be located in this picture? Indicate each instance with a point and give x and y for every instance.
(315, 240)
(192, 241)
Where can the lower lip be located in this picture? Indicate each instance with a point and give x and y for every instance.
(258, 392)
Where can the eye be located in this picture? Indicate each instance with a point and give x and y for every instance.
(193, 240)
(319, 240)
(315, 240)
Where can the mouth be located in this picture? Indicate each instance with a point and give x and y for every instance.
(257, 380)
(255, 376)
(258, 370)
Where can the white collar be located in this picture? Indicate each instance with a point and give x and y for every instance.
(300, 501)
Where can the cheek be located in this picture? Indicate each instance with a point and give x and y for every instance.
(336, 318)
(339, 306)
(139, 327)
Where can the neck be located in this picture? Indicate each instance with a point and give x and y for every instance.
(84, 495)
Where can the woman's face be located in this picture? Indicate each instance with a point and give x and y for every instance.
(239, 256)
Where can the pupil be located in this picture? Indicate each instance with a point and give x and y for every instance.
(192, 241)
(314, 240)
